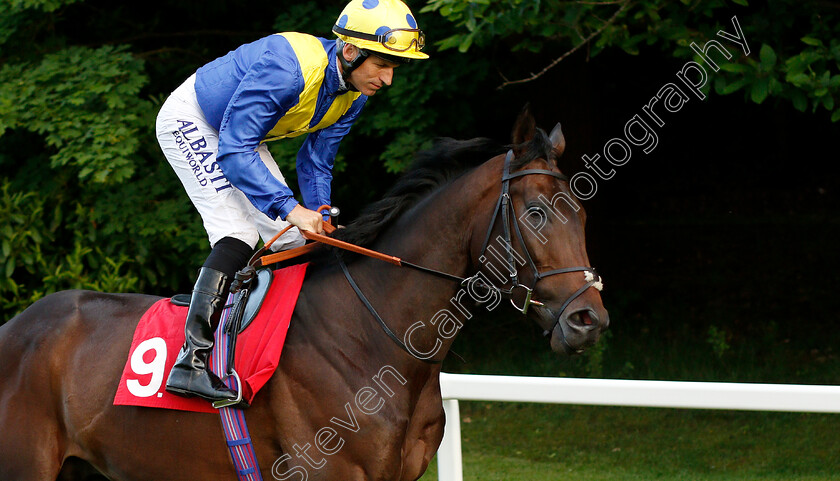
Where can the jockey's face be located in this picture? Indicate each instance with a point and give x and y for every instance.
(373, 74)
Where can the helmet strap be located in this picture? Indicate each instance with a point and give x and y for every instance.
(348, 66)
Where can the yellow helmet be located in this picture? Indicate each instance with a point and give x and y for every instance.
(383, 26)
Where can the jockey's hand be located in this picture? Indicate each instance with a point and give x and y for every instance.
(305, 219)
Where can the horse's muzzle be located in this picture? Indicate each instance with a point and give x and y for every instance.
(573, 332)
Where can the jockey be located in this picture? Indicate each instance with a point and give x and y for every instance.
(213, 129)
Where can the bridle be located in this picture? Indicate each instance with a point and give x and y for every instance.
(505, 209)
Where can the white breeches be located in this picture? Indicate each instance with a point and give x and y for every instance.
(190, 145)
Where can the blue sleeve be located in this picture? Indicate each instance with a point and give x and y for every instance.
(316, 157)
(271, 86)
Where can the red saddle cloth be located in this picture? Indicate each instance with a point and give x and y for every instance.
(160, 334)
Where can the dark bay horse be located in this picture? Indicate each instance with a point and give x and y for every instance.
(346, 403)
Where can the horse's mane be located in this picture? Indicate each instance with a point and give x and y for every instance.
(446, 160)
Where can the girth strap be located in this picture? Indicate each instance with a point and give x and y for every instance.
(233, 419)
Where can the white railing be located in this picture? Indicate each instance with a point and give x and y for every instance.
(616, 392)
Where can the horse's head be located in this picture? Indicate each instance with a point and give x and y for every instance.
(533, 244)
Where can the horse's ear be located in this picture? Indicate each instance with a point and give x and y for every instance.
(525, 126)
(558, 140)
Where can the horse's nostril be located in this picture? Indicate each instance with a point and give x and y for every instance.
(584, 318)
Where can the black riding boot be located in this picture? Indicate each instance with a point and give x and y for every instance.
(190, 375)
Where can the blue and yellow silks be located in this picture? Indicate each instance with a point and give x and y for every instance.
(280, 86)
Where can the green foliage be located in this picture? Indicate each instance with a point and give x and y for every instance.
(33, 266)
(805, 79)
(89, 201)
(74, 129)
(304, 17)
(399, 118)
(45, 5)
(810, 77)
(805, 72)
(530, 25)
(717, 339)
(150, 220)
(84, 102)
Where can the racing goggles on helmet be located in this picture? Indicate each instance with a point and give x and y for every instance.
(396, 39)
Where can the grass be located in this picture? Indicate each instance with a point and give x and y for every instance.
(741, 301)
(517, 441)
(524, 441)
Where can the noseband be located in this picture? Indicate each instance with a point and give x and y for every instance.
(506, 210)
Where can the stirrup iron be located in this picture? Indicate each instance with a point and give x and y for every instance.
(231, 402)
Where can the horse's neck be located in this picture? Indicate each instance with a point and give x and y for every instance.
(335, 345)
(424, 310)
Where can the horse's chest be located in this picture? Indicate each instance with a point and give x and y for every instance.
(422, 436)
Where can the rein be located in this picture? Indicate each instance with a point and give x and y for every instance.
(504, 208)
(259, 260)
(376, 315)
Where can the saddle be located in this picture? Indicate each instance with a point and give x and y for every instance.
(255, 282)
(251, 286)
(159, 336)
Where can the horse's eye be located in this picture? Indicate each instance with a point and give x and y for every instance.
(536, 209)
